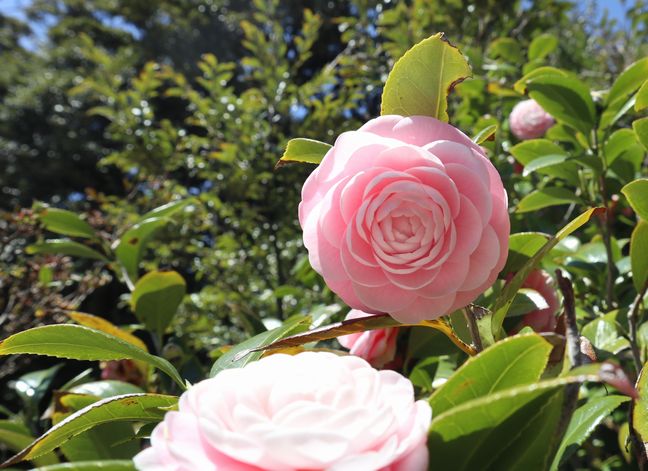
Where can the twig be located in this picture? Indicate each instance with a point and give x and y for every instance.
(471, 319)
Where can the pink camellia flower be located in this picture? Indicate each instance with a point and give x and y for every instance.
(541, 320)
(529, 121)
(377, 346)
(406, 216)
(312, 411)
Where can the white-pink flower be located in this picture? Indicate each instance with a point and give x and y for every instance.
(377, 346)
(529, 121)
(312, 411)
(406, 216)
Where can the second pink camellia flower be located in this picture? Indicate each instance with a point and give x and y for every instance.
(406, 216)
(377, 346)
(529, 121)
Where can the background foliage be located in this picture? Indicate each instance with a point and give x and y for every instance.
(127, 106)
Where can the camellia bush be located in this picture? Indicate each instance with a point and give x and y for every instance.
(471, 341)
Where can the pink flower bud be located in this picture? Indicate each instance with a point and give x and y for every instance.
(529, 121)
(377, 346)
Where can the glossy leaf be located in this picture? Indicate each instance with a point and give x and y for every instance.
(521, 85)
(99, 323)
(65, 222)
(548, 196)
(512, 362)
(156, 298)
(605, 333)
(505, 299)
(534, 153)
(80, 343)
(640, 127)
(585, 419)
(522, 246)
(567, 99)
(639, 255)
(421, 80)
(243, 353)
(637, 194)
(126, 408)
(525, 301)
(640, 410)
(130, 247)
(542, 162)
(486, 134)
(628, 82)
(65, 247)
(99, 465)
(304, 150)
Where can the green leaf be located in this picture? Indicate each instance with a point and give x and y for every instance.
(131, 245)
(605, 333)
(65, 247)
(126, 408)
(542, 46)
(486, 134)
(640, 410)
(65, 222)
(542, 162)
(505, 299)
(242, 354)
(525, 301)
(522, 246)
(421, 80)
(528, 152)
(640, 127)
(521, 85)
(16, 436)
(629, 81)
(567, 99)
(168, 209)
(618, 143)
(304, 150)
(156, 298)
(637, 194)
(100, 465)
(639, 255)
(506, 48)
(106, 388)
(512, 362)
(585, 419)
(548, 196)
(80, 343)
(509, 430)
(641, 102)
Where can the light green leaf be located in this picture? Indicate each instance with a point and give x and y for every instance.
(528, 152)
(126, 408)
(542, 162)
(168, 210)
(99, 465)
(640, 410)
(131, 245)
(15, 436)
(156, 298)
(605, 333)
(548, 196)
(521, 85)
(637, 194)
(421, 80)
(505, 299)
(542, 46)
(242, 354)
(567, 99)
(522, 246)
(640, 127)
(80, 343)
(65, 222)
(512, 362)
(486, 134)
(585, 419)
(304, 150)
(65, 247)
(629, 81)
(618, 143)
(639, 255)
(506, 48)
(641, 102)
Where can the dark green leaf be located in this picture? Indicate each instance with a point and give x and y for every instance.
(585, 419)
(65, 247)
(421, 80)
(127, 408)
(80, 343)
(512, 362)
